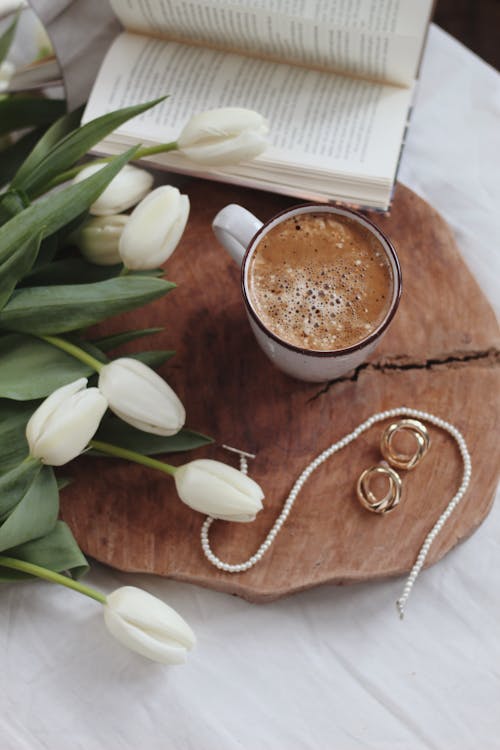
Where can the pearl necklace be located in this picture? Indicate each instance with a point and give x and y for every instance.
(304, 476)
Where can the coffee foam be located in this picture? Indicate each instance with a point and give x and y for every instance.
(319, 282)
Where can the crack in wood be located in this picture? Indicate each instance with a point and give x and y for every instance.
(397, 364)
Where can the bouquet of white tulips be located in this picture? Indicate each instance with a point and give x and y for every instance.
(69, 259)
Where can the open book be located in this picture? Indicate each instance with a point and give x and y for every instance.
(335, 79)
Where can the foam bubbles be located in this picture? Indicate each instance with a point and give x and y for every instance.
(321, 282)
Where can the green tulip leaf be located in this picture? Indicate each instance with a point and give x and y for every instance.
(12, 202)
(74, 146)
(56, 551)
(18, 112)
(7, 37)
(36, 513)
(57, 309)
(14, 416)
(14, 268)
(118, 339)
(15, 483)
(153, 358)
(148, 272)
(52, 244)
(57, 131)
(47, 252)
(70, 271)
(71, 226)
(63, 482)
(75, 271)
(31, 368)
(115, 431)
(55, 210)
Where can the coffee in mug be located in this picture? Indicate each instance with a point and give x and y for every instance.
(320, 281)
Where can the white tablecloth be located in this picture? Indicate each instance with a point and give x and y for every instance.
(328, 668)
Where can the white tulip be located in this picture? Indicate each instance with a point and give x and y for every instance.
(154, 229)
(125, 190)
(148, 626)
(98, 239)
(65, 422)
(220, 137)
(140, 397)
(218, 490)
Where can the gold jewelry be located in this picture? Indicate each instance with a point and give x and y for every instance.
(395, 458)
(402, 460)
(368, 499)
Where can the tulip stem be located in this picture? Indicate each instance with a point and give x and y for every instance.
(74, 351)
(161, 148)
(31, 459)
(52, 576)
(138, 458)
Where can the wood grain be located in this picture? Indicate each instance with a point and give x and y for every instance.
(439, 355)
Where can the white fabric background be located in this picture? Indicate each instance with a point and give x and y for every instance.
(331, 668)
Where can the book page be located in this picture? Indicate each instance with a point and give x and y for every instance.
(318, 120)
(376, 39)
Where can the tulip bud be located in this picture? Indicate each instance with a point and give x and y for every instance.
(140, 397)
(218, 490)
(154, 229)
(65, 422)
(225, 136)
(148, 626)
(98, 239)
(125, 190)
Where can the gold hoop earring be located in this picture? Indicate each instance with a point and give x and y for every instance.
(367, 497)
(403, 460)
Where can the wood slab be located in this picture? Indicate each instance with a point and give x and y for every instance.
(440, 355)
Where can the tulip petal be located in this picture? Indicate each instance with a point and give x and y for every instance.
(99, 237)
(148, 626)
(154, 229)
(220, 137)
(69, 429)
(143, 643)
(125, 190)
(36, 424)
(139, 396)
(223, 122)
(218, 490)
(220, 153)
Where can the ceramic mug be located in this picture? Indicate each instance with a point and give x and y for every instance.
(239, 231)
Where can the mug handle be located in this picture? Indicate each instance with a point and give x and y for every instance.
(234, 227)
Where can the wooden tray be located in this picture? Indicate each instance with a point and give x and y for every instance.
(440, 355)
